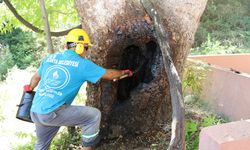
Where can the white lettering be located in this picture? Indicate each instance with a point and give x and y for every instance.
(53, 92)
(52, 60)
(68, 63)
(63, 62)
(49, 95)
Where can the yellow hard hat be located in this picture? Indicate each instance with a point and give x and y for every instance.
(78, 36)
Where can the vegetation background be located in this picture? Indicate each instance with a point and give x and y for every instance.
(224, 29)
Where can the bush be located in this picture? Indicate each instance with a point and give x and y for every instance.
(22, 46)
(226, 21)
(212, 46)
(194, 75)
(6, 61)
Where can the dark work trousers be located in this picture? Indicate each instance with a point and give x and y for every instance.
(47, 125)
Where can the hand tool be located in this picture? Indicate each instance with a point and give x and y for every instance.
(126, 75)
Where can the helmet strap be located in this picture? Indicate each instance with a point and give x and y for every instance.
(72, 45)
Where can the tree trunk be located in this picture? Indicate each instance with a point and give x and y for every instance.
(139, 107)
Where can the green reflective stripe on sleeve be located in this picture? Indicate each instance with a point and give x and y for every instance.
(90, 136)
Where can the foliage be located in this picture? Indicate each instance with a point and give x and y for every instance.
(66, 140)
(212, 46)
(224, 24)
(194, 74)
(26, 146)
(58, 12)
(193, 128)
(62, 141)
(23, 49)
(6, 61)
(22, 46)
(192, 140)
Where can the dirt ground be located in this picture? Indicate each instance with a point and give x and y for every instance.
(147, 141)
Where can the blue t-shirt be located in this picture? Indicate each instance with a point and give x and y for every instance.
(62, 75)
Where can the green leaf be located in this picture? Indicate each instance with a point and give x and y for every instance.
(62, 14)
(191, 126)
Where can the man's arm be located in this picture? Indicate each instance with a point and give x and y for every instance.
(34, 81)
(112, 74)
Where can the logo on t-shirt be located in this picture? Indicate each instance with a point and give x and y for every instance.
(56, 77)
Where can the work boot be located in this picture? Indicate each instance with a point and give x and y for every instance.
(93, 143)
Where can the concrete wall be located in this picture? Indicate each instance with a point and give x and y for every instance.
(228, 136)
(228, 91)
(239, 62)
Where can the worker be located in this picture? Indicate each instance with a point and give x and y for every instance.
(60, 77)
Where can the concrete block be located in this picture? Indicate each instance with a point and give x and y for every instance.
(228, 136)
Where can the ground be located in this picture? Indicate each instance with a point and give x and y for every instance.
(146, 141)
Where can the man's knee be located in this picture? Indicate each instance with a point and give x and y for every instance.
(97, 115)
(94, 116)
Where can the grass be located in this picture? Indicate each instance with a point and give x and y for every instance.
(198, 116)
(224, 28)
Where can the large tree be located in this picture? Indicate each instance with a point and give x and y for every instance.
(123, 37)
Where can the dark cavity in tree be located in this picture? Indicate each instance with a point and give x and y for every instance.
(141, 60)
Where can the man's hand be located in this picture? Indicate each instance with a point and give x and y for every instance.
(127, 72)
(26, 88)
(113, 74)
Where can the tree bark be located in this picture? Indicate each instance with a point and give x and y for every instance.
(46, 27)
(178, 117)
(123, 38)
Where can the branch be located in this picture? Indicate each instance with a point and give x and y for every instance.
(31, 26)
(178, 118)
(46, 26)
